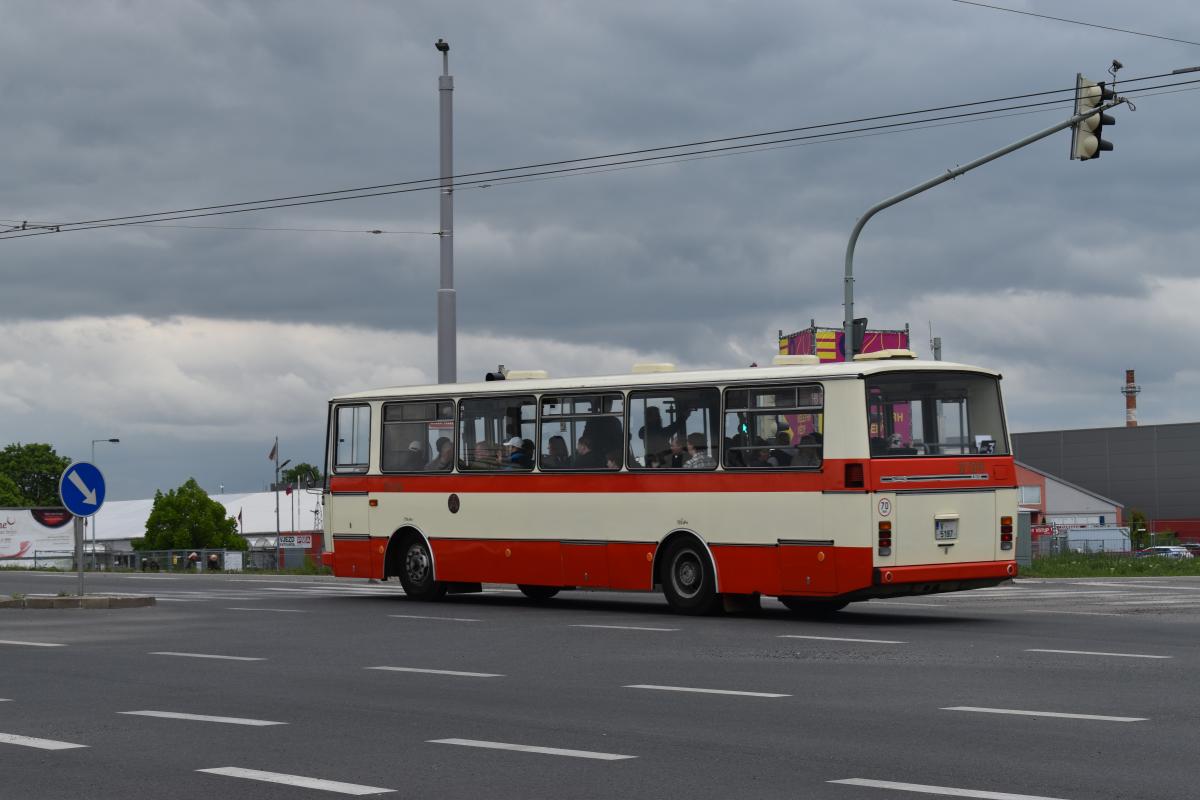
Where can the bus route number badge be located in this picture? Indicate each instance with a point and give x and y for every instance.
(885, 506)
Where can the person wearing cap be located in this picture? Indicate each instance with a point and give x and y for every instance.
(413, 458)
(517, 457)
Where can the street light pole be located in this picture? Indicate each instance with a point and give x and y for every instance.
(447, 345)
(948, 175)
(92, 521)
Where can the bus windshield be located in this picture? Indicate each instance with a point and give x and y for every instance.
(935, 414)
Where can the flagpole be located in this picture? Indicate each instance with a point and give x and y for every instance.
(275, 452)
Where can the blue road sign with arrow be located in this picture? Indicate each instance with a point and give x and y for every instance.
(81, 488)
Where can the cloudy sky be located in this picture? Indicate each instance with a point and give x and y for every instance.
(197, 345)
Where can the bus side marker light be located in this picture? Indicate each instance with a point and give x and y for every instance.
(649, 556)
(820, 555)
(853, 476)
(507, 553)
(380, 549)
(373, 503)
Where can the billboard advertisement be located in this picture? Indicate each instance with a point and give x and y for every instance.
(38, 533)
(826, 343)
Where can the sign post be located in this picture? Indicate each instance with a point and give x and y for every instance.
(81, 489)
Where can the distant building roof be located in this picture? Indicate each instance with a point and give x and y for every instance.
(126, 519)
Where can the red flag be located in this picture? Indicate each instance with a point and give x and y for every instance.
(274, 450)
(239, 516)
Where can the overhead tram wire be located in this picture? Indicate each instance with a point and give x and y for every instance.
(1074, 21)
(608, 156)
(586, 169)
(69, 227)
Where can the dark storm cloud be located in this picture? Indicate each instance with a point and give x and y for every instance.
(125, 107)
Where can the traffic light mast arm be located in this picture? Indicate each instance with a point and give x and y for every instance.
(948, 175)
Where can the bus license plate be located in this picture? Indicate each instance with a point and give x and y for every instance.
(945, 529)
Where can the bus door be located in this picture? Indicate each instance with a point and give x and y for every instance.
(346, 504)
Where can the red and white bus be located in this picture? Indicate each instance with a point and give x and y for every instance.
(818, 484)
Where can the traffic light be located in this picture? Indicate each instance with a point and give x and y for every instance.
(1086, 141)
(859, 333)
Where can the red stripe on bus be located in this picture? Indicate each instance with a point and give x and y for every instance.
(942, 474)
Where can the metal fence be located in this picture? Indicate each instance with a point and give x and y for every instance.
(263, 559)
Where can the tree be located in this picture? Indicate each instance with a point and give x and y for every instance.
(35, 469)
(188, 519)
(303, 475)
(10, 494)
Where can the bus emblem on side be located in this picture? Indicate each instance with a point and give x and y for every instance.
(885, 506)
(453, 503)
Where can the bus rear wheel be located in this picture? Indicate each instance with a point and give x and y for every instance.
(416, 571)
(688, 579)
(813, 606)
(537, 593)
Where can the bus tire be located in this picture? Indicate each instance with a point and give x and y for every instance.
(538, 594)
(689, 581)
(813, 606)
(416, 571)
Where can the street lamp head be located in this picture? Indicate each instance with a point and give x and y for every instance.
(115, 441)
(442, 45)
(285, 463)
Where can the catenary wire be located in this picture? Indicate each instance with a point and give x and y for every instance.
(1074, 21)
(498, 172)
(579, 169)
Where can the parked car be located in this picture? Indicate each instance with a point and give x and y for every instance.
(1165, 551)
(1192, 548)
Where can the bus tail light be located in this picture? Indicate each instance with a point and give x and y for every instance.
(1006, 533)
(885, 538)
(854, 475)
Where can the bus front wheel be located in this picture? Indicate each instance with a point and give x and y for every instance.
(813, 607)
(416, 571)
(688, 579)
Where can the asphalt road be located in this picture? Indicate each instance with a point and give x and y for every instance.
(597, 694)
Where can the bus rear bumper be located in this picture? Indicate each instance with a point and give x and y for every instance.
(935, 579)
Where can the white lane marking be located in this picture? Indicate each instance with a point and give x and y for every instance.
(623, 627)
(5, 699)
(524, 748)
(702, 691)
(277, 610)
(202, 718)
(839, 639)
(178, 600)
(147, 578)
(1147, 586)
(297, 780)
(907, 603)
(206, 655)
(40, 744)
(1186, 601)
(1059, 714)
(30, 644)
(443, 619)
(1094, 653)
(440, 672)
(1078, 613)
(948, 791)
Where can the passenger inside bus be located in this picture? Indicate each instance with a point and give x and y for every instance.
(444, 457)
(556, 454)
(698, 450)
(585, 456)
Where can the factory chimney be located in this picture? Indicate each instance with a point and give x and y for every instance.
(1130, 390)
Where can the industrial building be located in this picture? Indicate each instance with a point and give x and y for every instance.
(1154, 469)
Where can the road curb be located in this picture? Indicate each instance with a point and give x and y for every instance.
(87, 601)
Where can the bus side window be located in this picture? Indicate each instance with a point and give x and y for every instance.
(774, 427)
(662, 422)
(418, 436)
(353, 435)
(496, 433)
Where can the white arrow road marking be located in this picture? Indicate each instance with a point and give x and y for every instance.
(89, 495)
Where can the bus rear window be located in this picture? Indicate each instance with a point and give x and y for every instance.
(935, 414)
